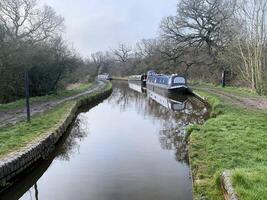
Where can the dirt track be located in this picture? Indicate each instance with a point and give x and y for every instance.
(259, 103)
(16, 115)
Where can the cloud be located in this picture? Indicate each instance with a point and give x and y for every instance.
(98, 25)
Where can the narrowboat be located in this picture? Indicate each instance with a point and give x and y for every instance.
(104, 77)
(167, 84)
(141, 79)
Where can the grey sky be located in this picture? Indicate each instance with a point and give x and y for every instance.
(98, 25)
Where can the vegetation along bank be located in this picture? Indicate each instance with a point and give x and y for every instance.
(24, 143)
(234, 140)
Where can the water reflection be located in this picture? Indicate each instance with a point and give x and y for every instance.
(131, 146)
(71, 144)
(177, 104)
(138, 87)
(176, 113)
(67, 147)
(36, 191)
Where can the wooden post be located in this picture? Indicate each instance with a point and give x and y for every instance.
(223, 78)
(27, 95)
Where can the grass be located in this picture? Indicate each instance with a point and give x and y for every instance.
(233, 139)
(60, 94)
(250, 183)
(15, 137)
(242, 91)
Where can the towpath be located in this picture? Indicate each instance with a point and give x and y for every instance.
(16, 115)
(237, 99)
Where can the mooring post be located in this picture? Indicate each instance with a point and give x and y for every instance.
(27, 95)
(223, 78)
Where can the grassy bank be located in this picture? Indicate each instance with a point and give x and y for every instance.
(14, 137)
(233, 139)
(58, 95)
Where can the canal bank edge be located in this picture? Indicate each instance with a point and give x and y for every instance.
(225, 178)
(16, 163)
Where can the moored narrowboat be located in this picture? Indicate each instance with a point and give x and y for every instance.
(104, 77)
(167, 84)
(138, 78)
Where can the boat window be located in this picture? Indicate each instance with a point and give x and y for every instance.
(165, 81)
(179, 80)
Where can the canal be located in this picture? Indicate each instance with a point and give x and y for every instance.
(130, 146)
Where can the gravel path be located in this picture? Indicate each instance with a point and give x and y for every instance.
(13, 116)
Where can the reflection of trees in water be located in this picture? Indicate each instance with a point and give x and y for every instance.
(173, 139)
(71, 144)
(36, 191)
(125, 98)
(172, 135)
(173, 123)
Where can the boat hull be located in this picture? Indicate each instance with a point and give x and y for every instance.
(168, 91)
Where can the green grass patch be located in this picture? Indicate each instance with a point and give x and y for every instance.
(234, 138)
(59, 95)
(14, 137)
(250, 183)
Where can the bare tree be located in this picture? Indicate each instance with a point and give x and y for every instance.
(200, 23)
(122, 53)
(25, 20)
(252, 42)
(146, 47)
(98, 59)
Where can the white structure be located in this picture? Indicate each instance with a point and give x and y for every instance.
(104, 77)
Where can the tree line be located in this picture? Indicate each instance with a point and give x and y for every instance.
(203, 38)
(31, 41)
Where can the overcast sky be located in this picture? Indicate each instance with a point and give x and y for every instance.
(98, 25)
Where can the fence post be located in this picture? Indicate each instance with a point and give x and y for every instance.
(27, 95)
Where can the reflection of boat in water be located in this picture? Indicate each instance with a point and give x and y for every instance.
(136, 86)
(167, 84)
(177, 104)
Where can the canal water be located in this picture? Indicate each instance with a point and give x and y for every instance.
(131, 146)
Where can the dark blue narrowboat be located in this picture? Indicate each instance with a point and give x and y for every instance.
(167, 83)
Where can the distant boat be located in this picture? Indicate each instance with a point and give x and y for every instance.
(167, 84)
(104, 77)
(139, 79)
